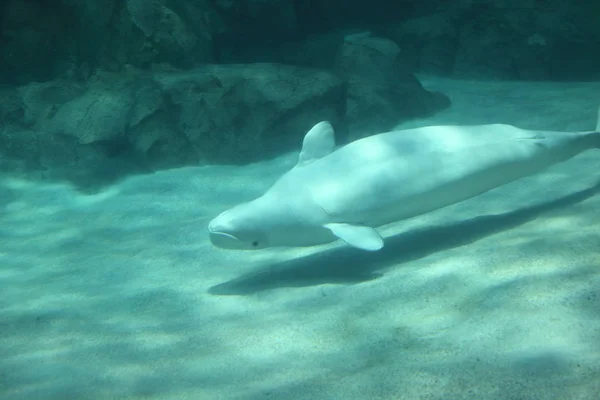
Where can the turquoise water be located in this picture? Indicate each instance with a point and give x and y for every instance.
(120, 294)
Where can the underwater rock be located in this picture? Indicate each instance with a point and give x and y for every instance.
(147, 121)
(506, 39)
(429, 43)
(25, 143)
(495, 44)
(258, 19)
(177, 33)
(42, 41)
(381, 90)
(243, 113)
(511, 39)
(33, 39)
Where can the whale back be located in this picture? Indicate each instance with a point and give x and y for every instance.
(399, 174)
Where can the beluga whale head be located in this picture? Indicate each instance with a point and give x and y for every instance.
(287, 214)
(238, 229)
(268, 221)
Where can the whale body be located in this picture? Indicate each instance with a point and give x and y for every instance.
(348, 192)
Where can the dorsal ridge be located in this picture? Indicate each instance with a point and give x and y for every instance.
(318, 142)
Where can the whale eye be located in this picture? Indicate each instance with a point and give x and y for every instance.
(255, 243)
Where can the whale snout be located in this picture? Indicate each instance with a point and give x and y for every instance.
(218, 233)
(239, 228)
(221, 232)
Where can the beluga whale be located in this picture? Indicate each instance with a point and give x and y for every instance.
(346, 193)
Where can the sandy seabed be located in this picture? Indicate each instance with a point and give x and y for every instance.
(119, 294)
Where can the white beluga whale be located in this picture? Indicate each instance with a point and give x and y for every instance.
(347, 192)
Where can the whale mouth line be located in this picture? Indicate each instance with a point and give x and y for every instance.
(223, 234)
(225, 240)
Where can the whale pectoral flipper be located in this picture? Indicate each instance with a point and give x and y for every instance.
(362, 237)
